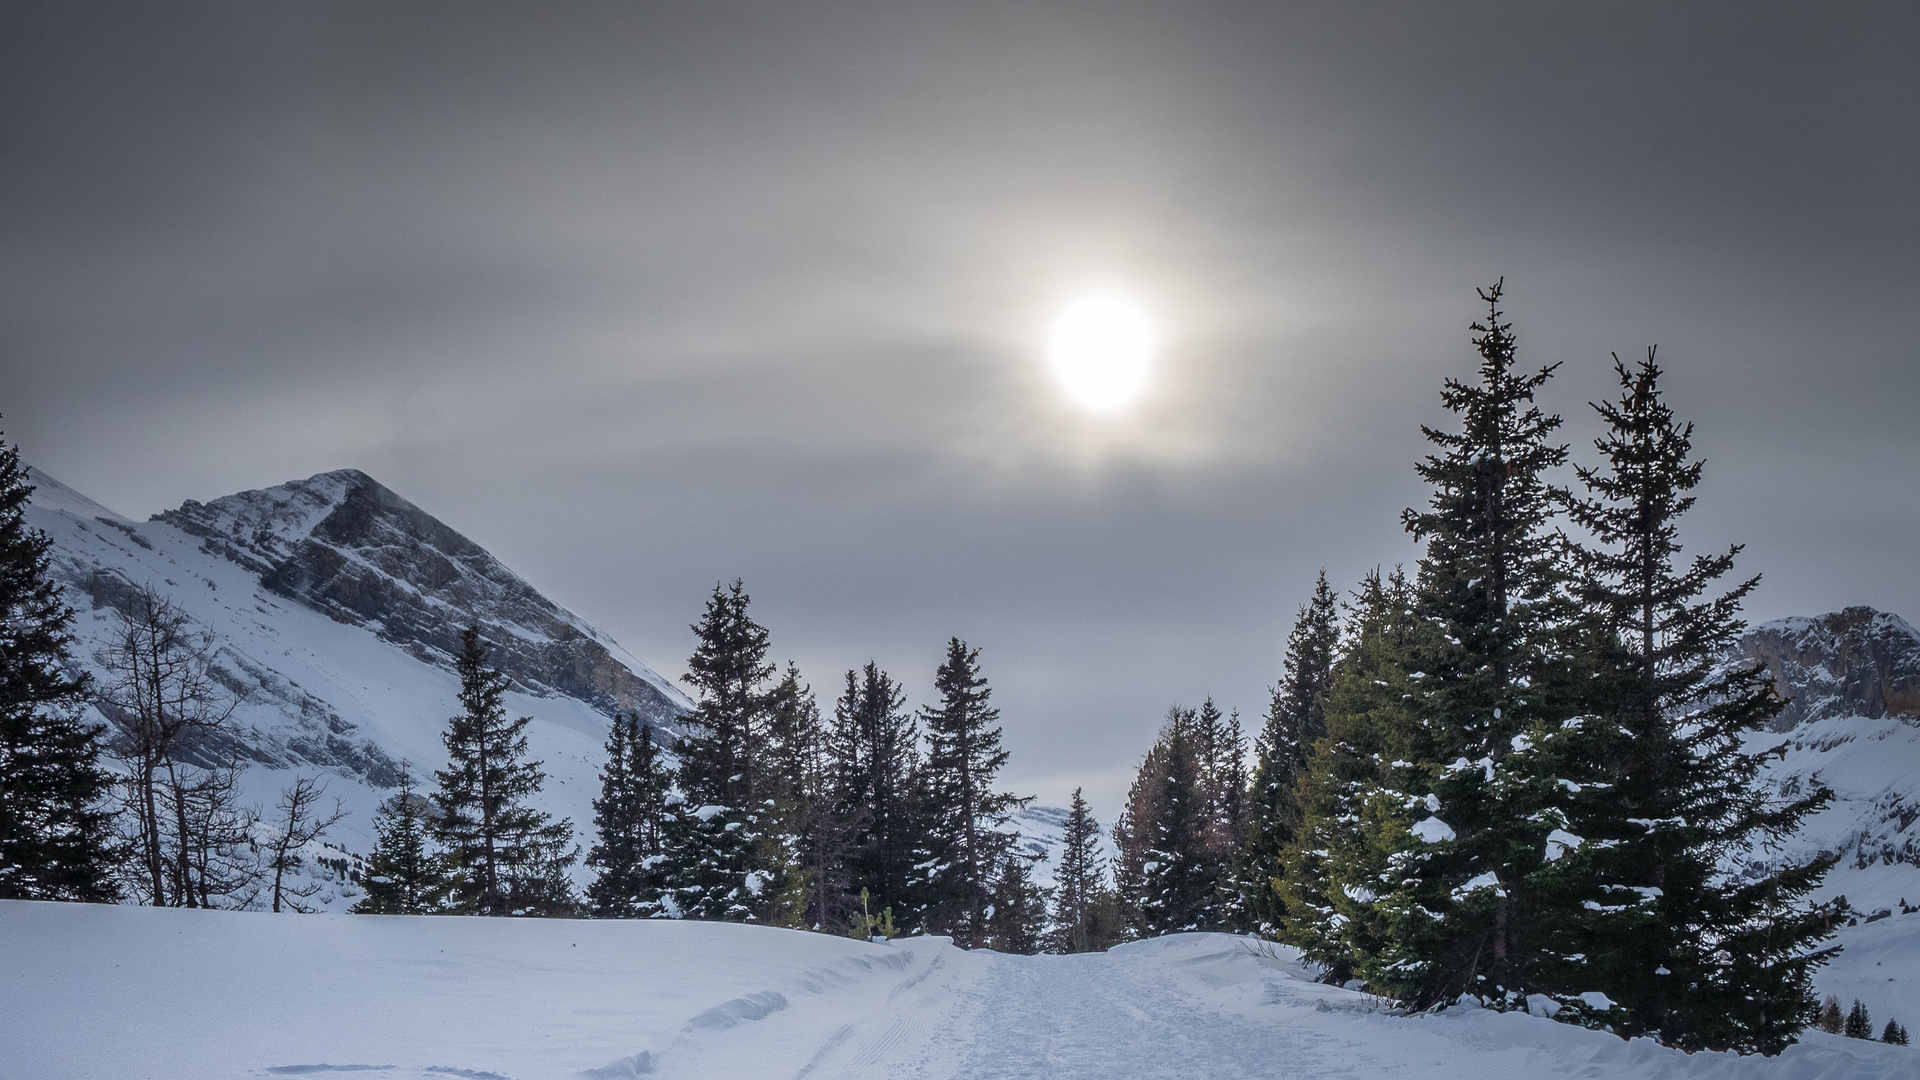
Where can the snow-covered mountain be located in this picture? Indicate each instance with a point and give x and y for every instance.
(1852, 722)
(335, 607)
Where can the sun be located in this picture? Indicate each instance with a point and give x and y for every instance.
(1101, 347)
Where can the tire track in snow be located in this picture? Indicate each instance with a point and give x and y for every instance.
(906, 1043)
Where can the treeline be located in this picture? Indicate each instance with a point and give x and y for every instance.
(1518, 774)
(874, 820)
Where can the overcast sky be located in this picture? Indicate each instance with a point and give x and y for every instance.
(641, 297)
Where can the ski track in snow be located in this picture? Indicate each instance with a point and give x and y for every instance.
(120, 993)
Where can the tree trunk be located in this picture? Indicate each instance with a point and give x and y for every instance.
(150, 828)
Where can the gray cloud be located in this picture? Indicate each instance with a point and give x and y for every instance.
(644, 296)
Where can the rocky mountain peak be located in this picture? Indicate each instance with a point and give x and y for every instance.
(1853, 662)
(345, 544)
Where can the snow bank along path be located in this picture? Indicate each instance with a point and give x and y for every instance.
(107, 993)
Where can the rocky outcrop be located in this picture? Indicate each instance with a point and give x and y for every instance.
(1856, 662)
(348, 546)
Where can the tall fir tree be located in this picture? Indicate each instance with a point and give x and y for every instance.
(1230, 821)
(1492, 583)
(1016, 918)
(509, 858)
(1221, 746)
(875, 748)
(965, 817)
(724, 854)
(1683, 916)
(404, 875)
(1079, 884)
(722, 755)
(1431, 802)
(628, 820)
(1169, 868)
(56, 833)
(795, 742)
(819, 829)
(1355, 818)
(1295, 721)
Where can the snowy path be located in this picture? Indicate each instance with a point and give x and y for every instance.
(1099, 1016)
(138, 994)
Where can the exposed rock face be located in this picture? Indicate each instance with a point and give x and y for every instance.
(346, 545)
(1856, 662)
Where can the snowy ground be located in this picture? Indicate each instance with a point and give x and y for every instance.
(107, 993)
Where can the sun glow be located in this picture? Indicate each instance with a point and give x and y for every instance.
(1101, 346)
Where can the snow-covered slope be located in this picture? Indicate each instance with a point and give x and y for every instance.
(1852, 723)
(101, 992)
(334, 606)
(1043, 833)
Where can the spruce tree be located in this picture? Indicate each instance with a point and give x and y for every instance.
(1016, 918)
(404, 876)
(1231, 822)
(875, 749)
(723, 753)
(795, 745)
(1423, 815)
(1859, 1022)
(509, 858)
(965, 816)
(628, 819)
(1079, 882)
(1491, 584)
(1295, 721)
(1168, 865)
(1182, 875)
(56, 835)
(1894, 1033)
(1360, 814)
(1221, 746)
(1677, 805)
(817, 828)
(724, 854)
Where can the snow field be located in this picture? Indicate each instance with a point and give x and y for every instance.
(119, 992)
(1879, 965)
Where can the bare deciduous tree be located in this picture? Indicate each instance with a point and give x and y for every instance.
(181, 789)
(298, 824)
